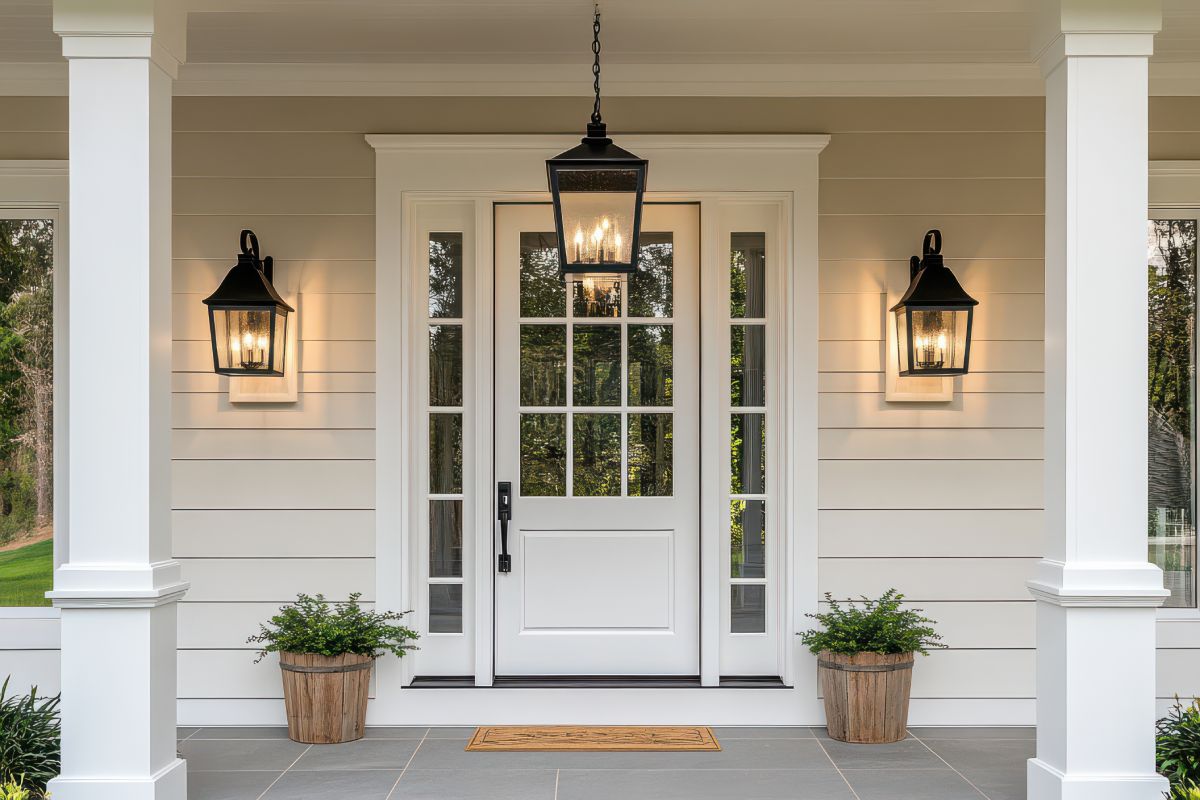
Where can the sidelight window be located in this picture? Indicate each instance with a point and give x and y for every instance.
(1171, 517)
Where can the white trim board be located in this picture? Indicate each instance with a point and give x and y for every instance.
(621, 80)
(424, 169)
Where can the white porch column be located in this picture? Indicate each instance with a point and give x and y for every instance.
(1096, 592)
(118, 586)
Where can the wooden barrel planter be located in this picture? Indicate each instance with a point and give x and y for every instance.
(325, 696)
(866, 695)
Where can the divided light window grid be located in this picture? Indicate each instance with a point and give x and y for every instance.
(748, 419)
(445, 328)
(1171, 396)
(596, 375)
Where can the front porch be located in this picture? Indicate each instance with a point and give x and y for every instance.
(796, 763)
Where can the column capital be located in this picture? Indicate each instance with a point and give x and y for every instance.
(1065, 28)
(151, 29)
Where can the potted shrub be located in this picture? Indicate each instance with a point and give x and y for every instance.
(326, 653)
(865, 654)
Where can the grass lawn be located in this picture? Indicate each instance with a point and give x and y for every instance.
(26, 574)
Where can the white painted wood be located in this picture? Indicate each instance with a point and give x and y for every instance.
(27, 668)
(315, 356)
(996, 533)
(931, 484)
(276, 389)
(988, 274)
(858, 410)
(922, 579)
(647, 545)
(312, 411)
(324, 316)
(117, 582)
(909, 388)
(972, 383)
(328, 275)
(992, 356)
(1094, 587)
(31, 633)
(931, 443)
(272, 484)
(277, 580)
(223, 444)
(225, 625)
(273, 533)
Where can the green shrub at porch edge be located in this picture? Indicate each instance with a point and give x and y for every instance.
(872, 626)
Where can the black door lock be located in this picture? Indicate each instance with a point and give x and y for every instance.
(504, 514)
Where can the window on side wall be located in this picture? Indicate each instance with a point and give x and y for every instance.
(27, 262)
(1171, 512)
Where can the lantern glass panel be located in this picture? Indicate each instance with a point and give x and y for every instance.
(599, 208)
(279, 349)
(243, 339)
(939, 340)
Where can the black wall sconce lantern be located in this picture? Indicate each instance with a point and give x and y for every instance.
(247, 318)
(933, 319)
(597, 189)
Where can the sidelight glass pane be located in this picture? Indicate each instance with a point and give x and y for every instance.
(597, 467)
(445, 365)
(1172, 256)
(747, 365)
(748, 608)
(445, 608)
(650, 363)
(748, 435)
(445, 275)
(543, 289)
(651, 455)
(445, 453)
(445, 538)
(543, 455)
(596, 297)
(747, 275)
(652, 286)
(597, 359)
(543, 365)
(748, 538)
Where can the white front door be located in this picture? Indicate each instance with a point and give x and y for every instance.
(597, 429)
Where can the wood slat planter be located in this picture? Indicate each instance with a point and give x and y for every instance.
(325, 696)
(866, 695)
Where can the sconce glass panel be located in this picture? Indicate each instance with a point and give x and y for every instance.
(249, 341)
(933, 341)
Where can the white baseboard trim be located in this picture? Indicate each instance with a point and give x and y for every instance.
(169, 783)
(1047, 783)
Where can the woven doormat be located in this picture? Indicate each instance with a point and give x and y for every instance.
(592, 738)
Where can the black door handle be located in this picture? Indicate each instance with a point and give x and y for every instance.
(504, 514)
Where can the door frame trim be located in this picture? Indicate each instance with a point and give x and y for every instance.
(467, 169)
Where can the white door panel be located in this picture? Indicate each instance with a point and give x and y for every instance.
(597, 428)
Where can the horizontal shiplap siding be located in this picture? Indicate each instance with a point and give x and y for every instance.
(941, 500)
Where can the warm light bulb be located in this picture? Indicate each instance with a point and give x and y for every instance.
(235, 344)
(579, 236)
(262, 343)
(597, 235)
(942, 340)
(604, 223)
(247, 341)
(617, 239)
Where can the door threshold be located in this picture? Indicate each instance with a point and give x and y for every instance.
(595, 682)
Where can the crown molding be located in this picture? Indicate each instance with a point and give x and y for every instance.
(621, 80)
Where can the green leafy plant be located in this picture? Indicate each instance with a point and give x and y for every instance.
(15, 790)
(1177, 748)
(29, 742)
(313, 625)
(872, 626)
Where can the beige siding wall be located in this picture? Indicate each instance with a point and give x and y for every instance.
(941, 501)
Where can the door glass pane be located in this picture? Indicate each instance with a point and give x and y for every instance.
(650, 359)
(445, 608)
(651, 455)
(1172, 400)
(748, 434)
(445, 453)
(543, 365)
(748, 538)
(651, 287)
(747, 275)
(543, 290)
(445, 538)
(596, 297)
(543, 455)
(597, 357)
(445, 275)
(445, 365)
(748, 608)
(747, 365)
(597, 467)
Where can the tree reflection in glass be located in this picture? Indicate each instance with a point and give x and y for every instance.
(597, 445)
(651, 455)
(651, 287)
(543, 365)
(543, 455)
(543, 289)
(597, 365)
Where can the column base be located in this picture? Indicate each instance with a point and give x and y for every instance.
(169, 783)
(1047, 783)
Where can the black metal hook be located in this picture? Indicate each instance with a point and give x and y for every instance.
(933, 243)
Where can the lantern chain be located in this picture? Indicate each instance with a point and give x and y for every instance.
(596, 63)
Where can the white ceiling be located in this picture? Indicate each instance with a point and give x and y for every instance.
(734, 44)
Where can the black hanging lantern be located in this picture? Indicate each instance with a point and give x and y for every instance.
(597, 189)
(247, 318)
(933, 318)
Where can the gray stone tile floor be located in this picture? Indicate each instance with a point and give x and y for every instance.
(754, 764)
